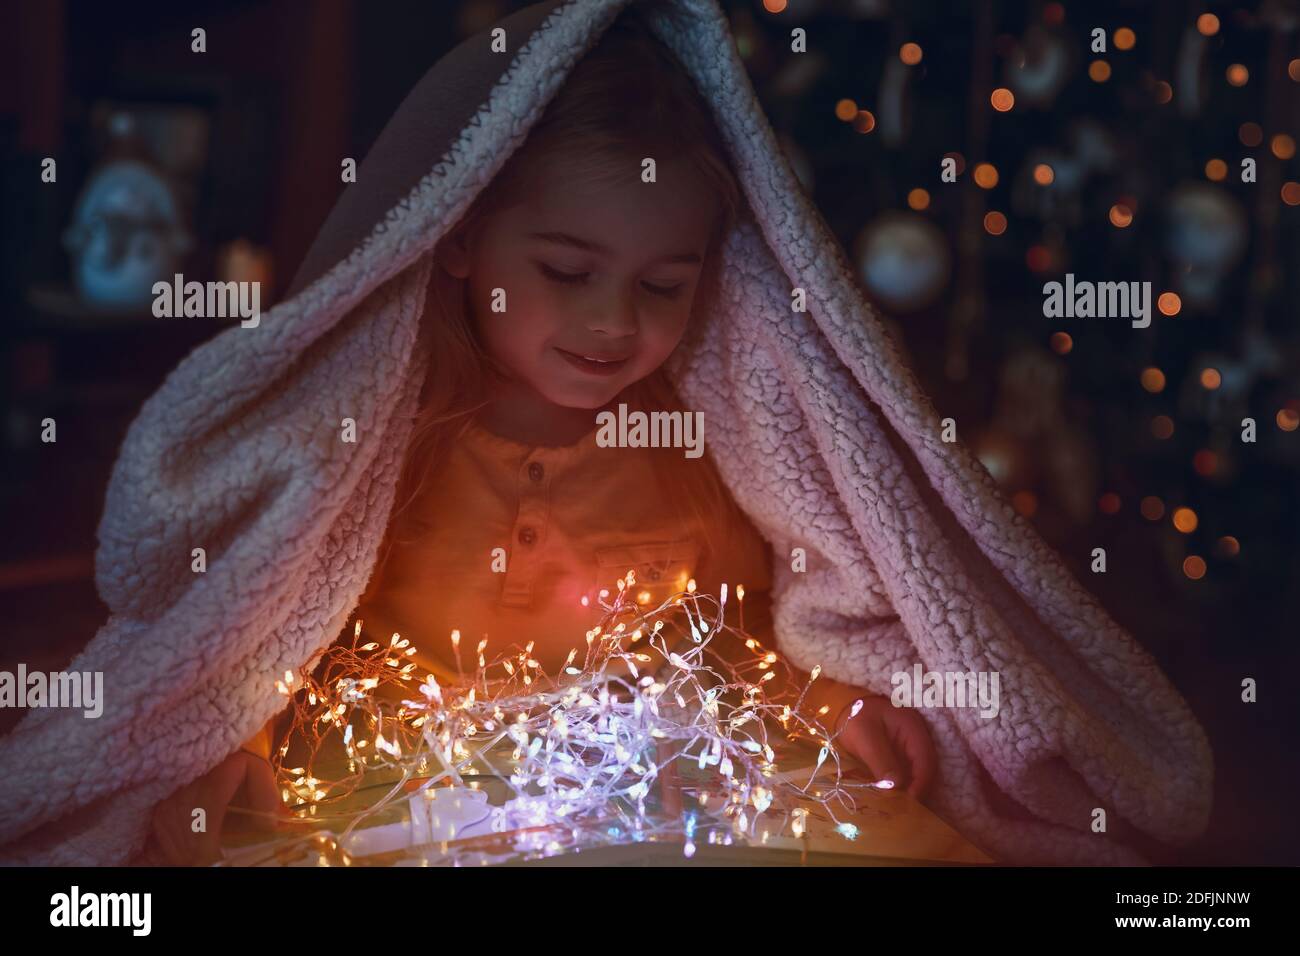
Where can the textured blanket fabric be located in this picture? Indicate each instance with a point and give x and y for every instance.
(818, 428)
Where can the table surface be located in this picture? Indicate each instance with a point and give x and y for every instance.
(893, 828)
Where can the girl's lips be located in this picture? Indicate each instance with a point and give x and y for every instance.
(589, 365)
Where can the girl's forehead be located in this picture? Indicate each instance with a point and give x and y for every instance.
(618, 207)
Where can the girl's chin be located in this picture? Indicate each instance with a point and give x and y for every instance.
(585, 400)
(580, 391)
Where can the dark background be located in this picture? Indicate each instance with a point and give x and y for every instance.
(1055, 408)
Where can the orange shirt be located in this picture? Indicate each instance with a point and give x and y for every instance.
(568, 521)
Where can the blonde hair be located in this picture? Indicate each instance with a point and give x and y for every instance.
(627, 98)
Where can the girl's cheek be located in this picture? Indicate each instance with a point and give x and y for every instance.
(670, 329)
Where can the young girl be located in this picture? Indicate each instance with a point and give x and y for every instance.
(598, 274)
(410, 439)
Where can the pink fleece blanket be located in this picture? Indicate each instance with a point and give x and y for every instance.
(816, 424)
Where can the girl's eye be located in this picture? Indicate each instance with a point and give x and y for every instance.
(577, 278)
(568, 278)
(667, 292)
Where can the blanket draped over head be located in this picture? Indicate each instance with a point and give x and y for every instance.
(821, 434)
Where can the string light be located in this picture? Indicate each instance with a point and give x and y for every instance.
(1185, 520)
(986, 175)
(593, 740)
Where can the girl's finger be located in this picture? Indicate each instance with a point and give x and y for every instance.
(223, 783)
(165, 830)
(263, 795)
(870, 744)
(181, 822)
(924, 762)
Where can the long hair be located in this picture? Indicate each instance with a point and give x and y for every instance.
(627, 98)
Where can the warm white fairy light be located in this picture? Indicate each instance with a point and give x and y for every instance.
(594, 741)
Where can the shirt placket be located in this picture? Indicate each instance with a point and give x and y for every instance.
(529, 531)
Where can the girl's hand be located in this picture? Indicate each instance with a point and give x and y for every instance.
(892, 741)
(172, 840)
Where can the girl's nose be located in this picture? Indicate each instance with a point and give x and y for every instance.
(615, 317)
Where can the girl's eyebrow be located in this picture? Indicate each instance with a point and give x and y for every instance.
(566, 239)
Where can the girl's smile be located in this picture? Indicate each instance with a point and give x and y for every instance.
(593, 365)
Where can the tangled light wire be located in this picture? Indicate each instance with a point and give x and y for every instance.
(588, 744)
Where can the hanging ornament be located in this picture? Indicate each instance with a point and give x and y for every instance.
(1206, 236)
(1038, 68)
(126, 234)
(904, 260)
(894, 113)
(1190, 72)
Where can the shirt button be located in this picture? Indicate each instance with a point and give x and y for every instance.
(527, 535)
(654, 574)
(535, 471)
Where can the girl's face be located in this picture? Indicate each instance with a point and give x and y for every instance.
(596, 280)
